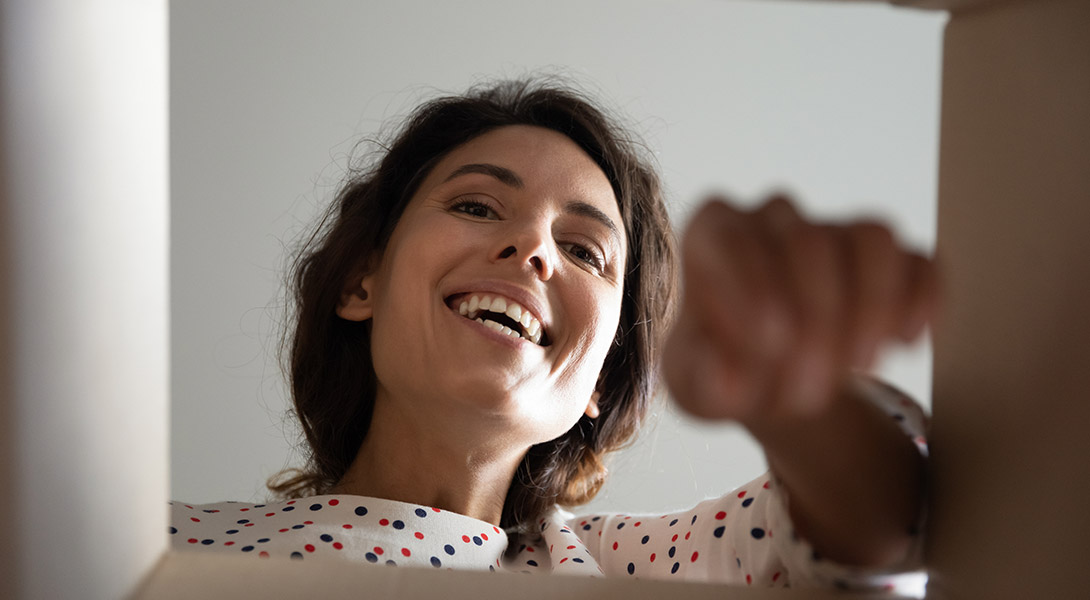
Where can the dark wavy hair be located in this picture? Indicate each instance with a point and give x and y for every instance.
(334, 396)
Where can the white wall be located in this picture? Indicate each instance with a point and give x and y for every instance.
(838, 103)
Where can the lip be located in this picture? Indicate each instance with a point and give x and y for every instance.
(525, 298)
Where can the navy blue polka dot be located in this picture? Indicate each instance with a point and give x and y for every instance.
(242, 521)
(631, 568)
(259, 506)
(297, 526)
(586, 527)
(361, 510)
(449, 549)
(435, 562)
(739, 561)
(674, 568)
(578, 560)
(673, 549)
(370, 556)
(757, 533)
(315, 507)
(532, 563)
(420, 512)
(391, 563)
(747, 502)
(297, 556)
(491, 568)
(173, 530)
(620, 525)
(231, 531)
(262, 540)
(596, 518)
(693, 522)
(207, 542)
(477, 540)
(674, 522)
(398, 524)
(289, 508)
(719, 531)
(645, 539)
(326, 537)
(247, 548)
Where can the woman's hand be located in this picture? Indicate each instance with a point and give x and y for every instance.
(777, 310)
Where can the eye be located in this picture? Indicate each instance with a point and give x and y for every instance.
(474, 208)
(585, 255)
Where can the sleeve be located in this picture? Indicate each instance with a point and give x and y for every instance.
(745, 537)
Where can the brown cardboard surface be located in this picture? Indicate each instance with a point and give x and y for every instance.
(1012, 353)
(185, 575)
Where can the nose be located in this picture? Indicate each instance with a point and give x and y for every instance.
(530, 248)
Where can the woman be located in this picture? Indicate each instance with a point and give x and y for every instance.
(480, 319)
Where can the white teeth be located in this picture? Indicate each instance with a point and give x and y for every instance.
(514, 311)
(531, 327)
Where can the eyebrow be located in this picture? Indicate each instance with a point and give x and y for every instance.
(510, 178)
(506, 176)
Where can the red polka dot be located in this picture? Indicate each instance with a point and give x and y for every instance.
(436, 510)
(674, 539)
(695, 556)
(614, 545)
(496, 529)
(419, 535)
(378, 550)
(309, 548)
(775, 576)
(571, 547)
(290, 502)
(637, 523)
(338, 545)
(563, 560)
(269, 514)
(465, 538)
(405, 552)
(582, 523)
(188, 506)
(248, 525)
(749, 579)
(308, 522)
(719, 516)
(742, 494)
(228, 543)
(687, 534)
(652, 557)
(194, 519)
(214, 511)
(384, 522)
(767, 484)
(484, 536)
(241, 509)
(550, 548)
(263, 554)
(529, 548)
(334, 502)
(346, 526)
(283, 530)
(192, 540)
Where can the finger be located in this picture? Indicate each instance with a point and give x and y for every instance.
(818, 286)
(921, 297)
(702, 381)
(729, 282)
(877, 287)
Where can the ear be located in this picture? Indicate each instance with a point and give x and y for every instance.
(355, 304)
(592, 406)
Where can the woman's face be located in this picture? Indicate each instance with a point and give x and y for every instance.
(519, 220)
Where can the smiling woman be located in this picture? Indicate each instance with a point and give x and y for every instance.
(481, 318)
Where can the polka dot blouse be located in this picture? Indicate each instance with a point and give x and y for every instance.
(744, 537)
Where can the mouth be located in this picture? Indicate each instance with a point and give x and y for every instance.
(501, 314)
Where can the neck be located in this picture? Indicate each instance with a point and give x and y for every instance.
(456, 466)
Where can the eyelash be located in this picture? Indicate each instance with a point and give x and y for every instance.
(593, 259)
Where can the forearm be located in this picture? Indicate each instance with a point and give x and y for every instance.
(854, 481)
